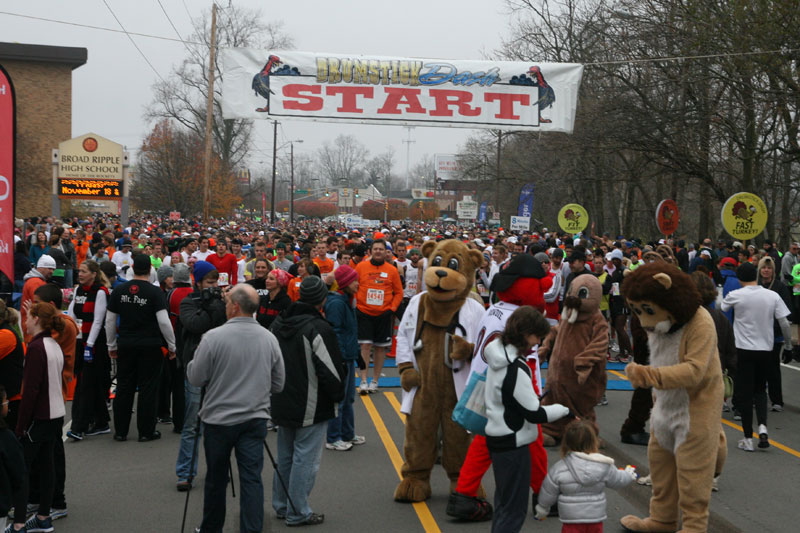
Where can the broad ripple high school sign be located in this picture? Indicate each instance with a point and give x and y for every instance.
(395, 90)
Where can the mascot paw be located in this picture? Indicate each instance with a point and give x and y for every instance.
(636, 375)
(646, 525)
(462, 350)
(409, 379)
(412, 490)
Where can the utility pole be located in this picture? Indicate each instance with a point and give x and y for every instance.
(209, 114)
(408, 155)
(291, 185)
(497, 171)
(386, 205)
(274, 170)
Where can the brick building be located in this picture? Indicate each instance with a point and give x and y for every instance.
(42, 79)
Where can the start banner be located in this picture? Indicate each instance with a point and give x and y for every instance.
(508, 95)
(7, 138)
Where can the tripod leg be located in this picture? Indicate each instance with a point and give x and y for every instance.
(280, 477)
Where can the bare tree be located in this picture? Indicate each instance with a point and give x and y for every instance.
(378, 170)
(339, 162)
(182, 96)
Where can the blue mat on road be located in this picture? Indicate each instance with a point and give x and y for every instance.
(613, 384)
(609, 366)
(389, 362)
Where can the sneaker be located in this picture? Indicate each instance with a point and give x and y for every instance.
(603, 401)
(358, 440)
(763, 438)
(373, 386)
(271, 426)
(36, 525)
(645, 480)
(75, 435)
(165, 420)
(625, 358)
(183, 485)
(98, 430)
(56, 513)
(715, 484)
(611, 358)
(339, 446)
(313, 520)
(614, 347)
(468, 508)
(363, 388)
(746, 444)
(147, 438)
(31, 508)
(736, 414)
(778, 408)
(10, 528)
(120, 438)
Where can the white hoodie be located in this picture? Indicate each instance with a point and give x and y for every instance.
(512, 407)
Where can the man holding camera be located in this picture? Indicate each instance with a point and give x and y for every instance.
(200, 311)
(239, 364)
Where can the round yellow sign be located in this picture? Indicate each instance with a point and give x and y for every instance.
(744, 215)
(573, 218)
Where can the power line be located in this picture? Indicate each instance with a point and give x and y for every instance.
(132, 41)
(683, 58)
(173, 26)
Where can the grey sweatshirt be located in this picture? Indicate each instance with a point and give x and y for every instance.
(239, 364)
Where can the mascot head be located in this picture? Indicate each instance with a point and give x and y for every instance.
(451, 269)
(523, 281)
(661, 296)
(583, 298)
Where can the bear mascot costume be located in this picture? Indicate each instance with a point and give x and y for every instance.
(576, 347)
(686, 377)
(523, 281)
(434, 348)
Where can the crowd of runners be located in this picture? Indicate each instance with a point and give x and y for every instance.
(101, 308)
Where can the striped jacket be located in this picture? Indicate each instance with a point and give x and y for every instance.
(41, 383)
(315, 372)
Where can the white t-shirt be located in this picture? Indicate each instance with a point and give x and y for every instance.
(123, 259)
(412, 280)
(755, 309)
(201, 256)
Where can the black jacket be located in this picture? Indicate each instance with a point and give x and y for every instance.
(726, 343)
(315, 372)
(199, 313)
(268, 310)
(12, 468)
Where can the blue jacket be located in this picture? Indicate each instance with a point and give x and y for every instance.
(342, 317)
(729, 283)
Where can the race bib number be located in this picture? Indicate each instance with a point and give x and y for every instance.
(615, 289)
(375, 297)
(411, 286)
(223, 279)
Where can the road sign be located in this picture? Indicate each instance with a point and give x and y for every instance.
(467, 209)
(520, 223)
(174, 215)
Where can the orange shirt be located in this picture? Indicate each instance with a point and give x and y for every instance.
(111, 250)
(379, 288)
(293, 290)
(80, 251)
(325, 265)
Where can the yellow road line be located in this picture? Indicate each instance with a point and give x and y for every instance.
(619, 374)
(395, 404)
(421, 508)
(778, 445)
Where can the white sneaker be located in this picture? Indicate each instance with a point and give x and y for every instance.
(645, 480)
(363, 388)
(746, 444)
(715, 484)
(357, 440)
(777, 408)
(373, 386)
(339, 446)
(763, 438)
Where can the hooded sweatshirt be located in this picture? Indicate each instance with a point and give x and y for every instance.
(314, 369)
(578, 482)
(512, 408)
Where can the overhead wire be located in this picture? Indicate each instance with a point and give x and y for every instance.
(132, 41)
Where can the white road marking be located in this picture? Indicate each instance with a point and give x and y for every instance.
(66, 428)
(790, 367)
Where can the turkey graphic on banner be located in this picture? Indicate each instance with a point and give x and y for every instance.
(367, 89)
(7, 123)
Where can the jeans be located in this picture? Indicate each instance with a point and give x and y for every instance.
(247, 438)
(186, 449)
(299, 454)
(343, 426)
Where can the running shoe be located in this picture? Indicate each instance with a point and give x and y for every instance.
(625, 358)
(373, 386)
(98, 430)
(358, 440)
(611, 358)
(56, 513)
(746, 445)
(75, 435)
(763, 438)
(36, 525)
(339, 446)
(603, 401)
(715, 484)
(363, 388)
(776, 407)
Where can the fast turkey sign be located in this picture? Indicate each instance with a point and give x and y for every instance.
(6, 175)
(396, 90)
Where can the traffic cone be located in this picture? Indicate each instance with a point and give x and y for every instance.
(393, 350)
(71, 388)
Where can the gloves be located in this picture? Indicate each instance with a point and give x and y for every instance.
(786, 355)
(631, 470)
(555, 411)
(541, 512)
(88, 354)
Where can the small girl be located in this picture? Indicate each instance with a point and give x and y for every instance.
(578, 481)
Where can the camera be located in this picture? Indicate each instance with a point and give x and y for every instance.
(211, 293)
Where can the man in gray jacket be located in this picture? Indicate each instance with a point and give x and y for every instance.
(239, 364)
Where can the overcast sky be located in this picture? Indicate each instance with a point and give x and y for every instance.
(112, 89)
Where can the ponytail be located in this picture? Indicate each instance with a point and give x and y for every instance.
(49, 318)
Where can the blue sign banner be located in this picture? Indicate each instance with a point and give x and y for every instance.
(525, 208)
(482, 212)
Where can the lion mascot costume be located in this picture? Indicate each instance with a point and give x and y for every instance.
(434, 349)
(576, 347)
(686, 377)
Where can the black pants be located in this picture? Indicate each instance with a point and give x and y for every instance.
(60, 464)
(38, 448)
(642, 400)
(774, 376)
(170, 387)
(751, 387)
(512, 478)
(620, 323)
(91, 389)
(137, 367)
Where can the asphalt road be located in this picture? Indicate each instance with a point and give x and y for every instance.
(130, 486)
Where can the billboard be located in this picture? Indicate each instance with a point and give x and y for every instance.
(368, 89)
(467, 209)
(448, 167)
(90, 156)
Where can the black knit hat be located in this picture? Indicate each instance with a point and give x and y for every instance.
(746, 272)
(313, 290)
(521, 266)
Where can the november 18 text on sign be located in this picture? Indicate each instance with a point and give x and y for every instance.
(68, 187)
